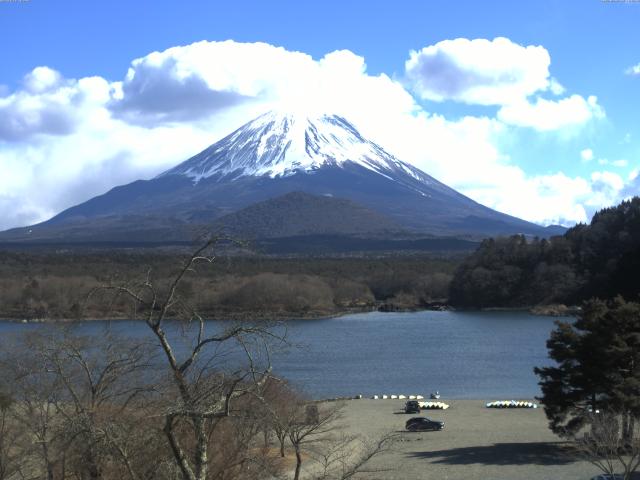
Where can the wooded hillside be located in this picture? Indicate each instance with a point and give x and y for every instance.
(601, 259)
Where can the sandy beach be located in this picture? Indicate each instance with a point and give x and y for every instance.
(477, 443)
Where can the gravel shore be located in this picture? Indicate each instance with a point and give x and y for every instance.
(477, 443)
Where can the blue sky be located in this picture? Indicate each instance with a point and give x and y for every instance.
(563, 143)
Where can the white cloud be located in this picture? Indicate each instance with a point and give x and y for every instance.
(555, 87)
(48, 105)
(633, 70)
(547, 115)
(63, 141)
(586, 155)
(633, 185)
(554, 198)
(42, 79)
(480, 71)
(498, 72)
(191, 82)
(188, 83)
(607, 181)
(45, 177)
(615, 163)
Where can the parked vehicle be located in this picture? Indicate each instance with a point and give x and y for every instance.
(412, 406)
(423, 423)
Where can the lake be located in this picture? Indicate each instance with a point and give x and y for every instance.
(483, 355)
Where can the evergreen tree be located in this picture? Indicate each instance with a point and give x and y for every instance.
(601, 259)
(597, 367)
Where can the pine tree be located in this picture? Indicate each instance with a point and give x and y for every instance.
(597, 367)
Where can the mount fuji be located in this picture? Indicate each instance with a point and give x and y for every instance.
(281, 175)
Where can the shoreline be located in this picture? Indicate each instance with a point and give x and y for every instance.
(540, 310)
(230, 317)
(448, 400)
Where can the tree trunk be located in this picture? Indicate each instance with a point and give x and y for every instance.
(282, 438)
(42, 435)
(202, 461)
(296, 475)
(93, 469)
(626, 425)
(47, 461)
(178, 453)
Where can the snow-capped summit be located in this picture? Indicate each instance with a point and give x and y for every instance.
(280, 145)
(281, 174)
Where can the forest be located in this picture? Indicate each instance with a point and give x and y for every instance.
(601, 260)
(54, 285)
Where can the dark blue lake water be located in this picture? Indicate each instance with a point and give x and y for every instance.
(484, 355)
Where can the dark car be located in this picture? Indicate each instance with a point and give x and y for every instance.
(423, 423)
(412, 406)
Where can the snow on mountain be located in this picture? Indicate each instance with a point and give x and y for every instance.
(280, 145)
(274, 175)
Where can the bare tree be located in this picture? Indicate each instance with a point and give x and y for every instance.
(79, 400)
(83, 405)
(308, 425)
(234, 451)
(314, 430)
(348, 456)
(202, 386)
(35, 391)
(99, 383)
(609, 445)
(280, 404)
(11, 461)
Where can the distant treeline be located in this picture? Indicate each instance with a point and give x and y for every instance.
(597, 260)
(55, 285)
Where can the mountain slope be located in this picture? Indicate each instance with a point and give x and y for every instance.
(298, 213)
(269, 157)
